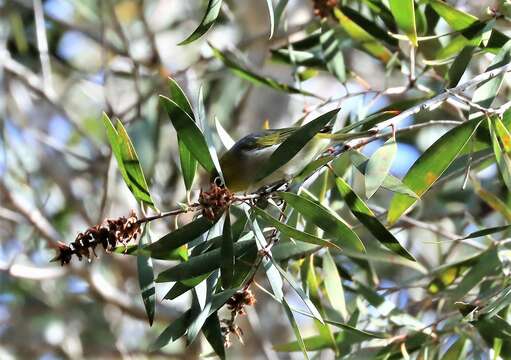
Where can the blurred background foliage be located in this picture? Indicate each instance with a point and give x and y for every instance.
(65, 62)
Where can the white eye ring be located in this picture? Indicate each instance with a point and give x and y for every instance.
(218, 181)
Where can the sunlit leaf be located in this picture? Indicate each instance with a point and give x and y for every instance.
(333, 285)
(379, 165)
(210, 16)
(404, 13)
(296, 329)
(127, 160)
(431, 165)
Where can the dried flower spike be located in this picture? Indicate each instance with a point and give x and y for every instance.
(323, 8)
(109, 234)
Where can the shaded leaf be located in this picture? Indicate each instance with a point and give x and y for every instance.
(369, 220)
(201, 264)
(332, 54)
(188, 133)
(146, 277)
(333, 225)
(179, 237)
(244, 73)
(296, 329)
(174, 331)
(227, 266)
(294, 233)
(213, 334)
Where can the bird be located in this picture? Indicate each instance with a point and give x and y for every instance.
(242, 163)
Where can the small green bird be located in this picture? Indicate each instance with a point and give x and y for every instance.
(242, 163)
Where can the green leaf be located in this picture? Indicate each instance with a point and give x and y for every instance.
(213, 334)
(179, 237)
(459, 66)
(146, 277)
(502, 159)
(271, 271)
(227, 266)
(188, 162)
(180, 287)
(294, 233)
(314, 311)
(127, 161)
(188, 133)
(332, 54)
(455, 350)
(379, 165)
(487, 91)
(244, 73)
(431, 165)
(201, 264)
(359, 33)
(294, 143)
(369, 220)
(487, 231)
(331, 223)
(404, 13)
(390, 182)
(174, 331)
(296, 328)
(503, 134)
(212, 12)
(333, 285)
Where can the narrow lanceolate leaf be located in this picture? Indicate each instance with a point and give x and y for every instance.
(279, 11)
(333, 285)
(179, 237)
(459, 65)
(188, 132)
(501, 157)
(201, 264)
(188, 162)
(503, 134)
(332, 54)
(492, 201)
(146, 277)
(372, 45)
(212, 12)
(294, 143)
(379, 165)
(487, 91)
(313, 310)
(404, 13)
(174, 331)
(390, 182)
(431, 165)
(294, 233)
(127, 160)
(296, 329)
(334, 227)
(227, 266)
(213, 334)
(369, 220)
(256, 79)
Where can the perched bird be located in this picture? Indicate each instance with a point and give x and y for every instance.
(242, 163)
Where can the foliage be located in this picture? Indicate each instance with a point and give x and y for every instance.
(360, 262)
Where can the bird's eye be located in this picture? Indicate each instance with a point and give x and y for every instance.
(218, 181)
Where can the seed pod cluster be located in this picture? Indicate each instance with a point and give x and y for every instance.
(215, 201)
(111, 233)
